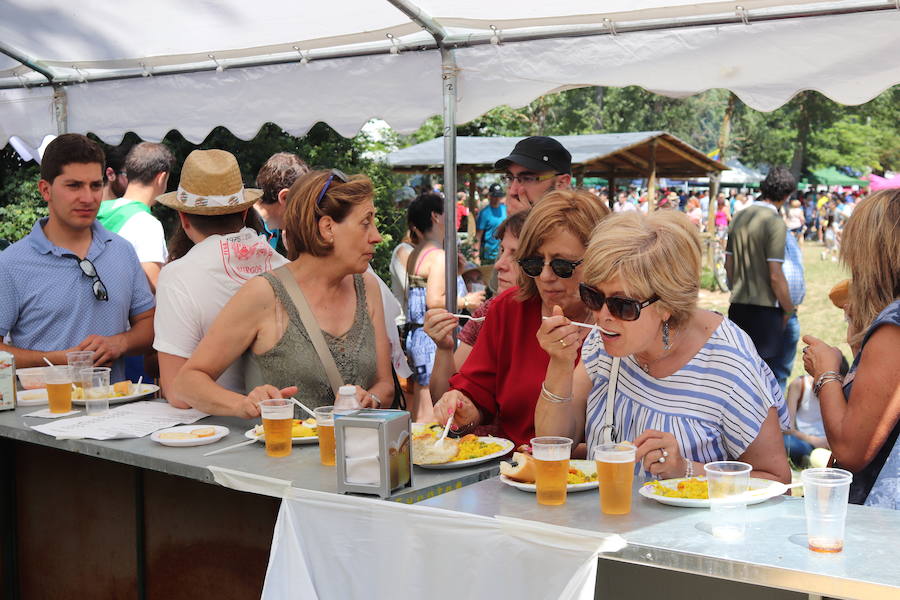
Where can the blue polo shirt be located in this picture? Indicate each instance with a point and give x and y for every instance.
(47, 303)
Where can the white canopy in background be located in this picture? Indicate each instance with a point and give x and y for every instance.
(295, 63)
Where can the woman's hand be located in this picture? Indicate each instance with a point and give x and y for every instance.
(473, 300)
(439, 325)
(659, 454)
(250, 408)
(819, 357)
(367, 399)
(559, 339)
(455, 403)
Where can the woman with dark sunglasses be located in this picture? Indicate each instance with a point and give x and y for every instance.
(499, 383)
(688, 387)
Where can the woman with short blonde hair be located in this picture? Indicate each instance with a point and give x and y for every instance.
(499, 383)
(862, 414)
(685, 385)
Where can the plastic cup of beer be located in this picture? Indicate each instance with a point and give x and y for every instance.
(825, 494)
(728, 482)
(59, 389)
(78, 360)
(325, 429)
(551, 460)
(95, 381)
(615, 474)
(278, 419)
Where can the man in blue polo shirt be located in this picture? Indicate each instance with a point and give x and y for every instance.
(70, 284)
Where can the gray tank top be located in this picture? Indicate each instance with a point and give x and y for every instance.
(294, 361)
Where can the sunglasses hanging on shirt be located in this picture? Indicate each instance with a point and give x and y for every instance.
(89, 270)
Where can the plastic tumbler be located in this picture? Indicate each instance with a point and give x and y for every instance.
(825, 493)
(615, 474)
(551, 461)
(728, 482)
(278, 420)
(96, 389)
(78, 360)
(325, 429)
(59, 389)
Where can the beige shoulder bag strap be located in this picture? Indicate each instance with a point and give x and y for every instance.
(311, 325)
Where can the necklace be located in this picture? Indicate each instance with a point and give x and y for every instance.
(646, 365)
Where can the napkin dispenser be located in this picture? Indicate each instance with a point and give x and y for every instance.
(372, 451)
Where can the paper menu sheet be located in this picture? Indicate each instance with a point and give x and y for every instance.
(134, 420)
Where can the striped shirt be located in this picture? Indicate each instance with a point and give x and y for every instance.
(714, 405)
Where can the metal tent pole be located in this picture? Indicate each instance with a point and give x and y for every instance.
(448, 79)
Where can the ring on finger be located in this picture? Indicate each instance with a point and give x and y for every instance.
(663, 454)
(563, 342)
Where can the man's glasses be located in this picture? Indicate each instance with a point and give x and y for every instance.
(526, 178)
(625, 309)
(335, 174)
(533, 265)
(87, 267)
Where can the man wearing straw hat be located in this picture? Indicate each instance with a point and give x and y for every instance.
(71, 284)
(212, 206)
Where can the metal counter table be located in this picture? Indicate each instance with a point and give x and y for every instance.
(131, 518)
(671, 550)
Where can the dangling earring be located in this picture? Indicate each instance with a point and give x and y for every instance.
(666, 344)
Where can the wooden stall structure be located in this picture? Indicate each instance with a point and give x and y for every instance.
(646, 155)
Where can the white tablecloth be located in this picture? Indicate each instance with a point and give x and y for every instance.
(331, 546)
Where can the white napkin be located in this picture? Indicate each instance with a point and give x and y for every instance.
(361, 455)
(46, 414)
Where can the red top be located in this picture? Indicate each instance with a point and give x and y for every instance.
(504, 371)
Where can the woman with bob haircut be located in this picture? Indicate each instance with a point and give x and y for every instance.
(862, 413)
(499, 383)
(689, 387)
(330, 236)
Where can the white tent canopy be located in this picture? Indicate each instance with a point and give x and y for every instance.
(149, 68)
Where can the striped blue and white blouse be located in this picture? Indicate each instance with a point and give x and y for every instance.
(714, 405)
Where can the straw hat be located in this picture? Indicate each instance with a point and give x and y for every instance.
(210, 184)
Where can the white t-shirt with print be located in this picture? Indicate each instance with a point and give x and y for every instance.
(193, 289)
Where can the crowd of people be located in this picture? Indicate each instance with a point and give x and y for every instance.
(580, 319)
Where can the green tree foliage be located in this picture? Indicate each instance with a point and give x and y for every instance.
(20, 202)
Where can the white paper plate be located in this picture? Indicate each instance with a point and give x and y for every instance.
(760, 491)
(250, 434)
(506, 444)
(221, 432)
(586, 466)
(39, 396)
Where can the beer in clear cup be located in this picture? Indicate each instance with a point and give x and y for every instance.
(551, 461)
(59, 389)
(325, 429)
(278, 419)
(615, 475)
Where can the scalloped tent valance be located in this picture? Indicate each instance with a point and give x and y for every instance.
(109, 68)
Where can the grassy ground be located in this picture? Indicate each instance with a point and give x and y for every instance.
(818, 316)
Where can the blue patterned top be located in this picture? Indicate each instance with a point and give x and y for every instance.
(793, 269)
(714, 405)
(46, 302)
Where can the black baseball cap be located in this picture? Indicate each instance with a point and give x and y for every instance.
(496, 191)
(539, 153)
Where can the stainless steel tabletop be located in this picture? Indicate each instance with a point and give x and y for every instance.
(773, 552)
(302, 467)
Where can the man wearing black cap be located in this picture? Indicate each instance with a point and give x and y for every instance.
(536, 165)
(489, 219)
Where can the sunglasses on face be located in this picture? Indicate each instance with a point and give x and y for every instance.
(88, 269)
(335, 174)
(534, 265)
(625, 309)
(526, 178)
